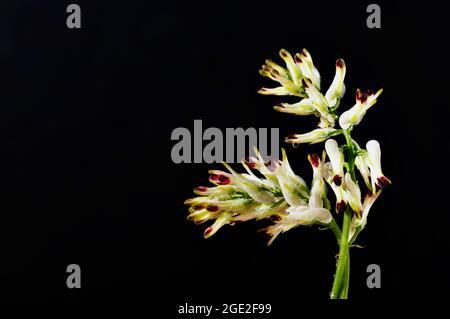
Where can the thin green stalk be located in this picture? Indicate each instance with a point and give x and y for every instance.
(335, 229)
(346, 282)
(343, 256)
(342, 276)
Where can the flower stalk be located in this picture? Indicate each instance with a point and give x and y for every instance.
(342, 276)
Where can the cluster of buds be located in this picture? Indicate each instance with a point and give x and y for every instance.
(272, 190)
(276, 193)
(301, 78)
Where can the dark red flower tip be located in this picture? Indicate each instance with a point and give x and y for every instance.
(341, 206)
(263, 89)
(268, 164)
(248, 161)
(305, 83)
(275, 72)
(291, 136)
(220, 179)
(201, 189)
(362, 97)
(212, 208)
(198, 207)
(382, 181)
(280, 105)
(314, 159)
(337, 180)
(370, 92)
(207, 231)
(297, 59)
(275, 218)
(340, 63)
(283, 53)
(303, 52)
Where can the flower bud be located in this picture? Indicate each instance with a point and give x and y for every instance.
(373, 160)
(354, 115)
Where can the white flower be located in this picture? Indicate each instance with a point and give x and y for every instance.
(316, 98)
(357, 224)
(280, 90)
(328, 174)
(315, 136)
(298, 216)
(290, 79)
(337, 87)
(293, 187)
(317, 185)
(294, 70)
(353, 194)
(373, 160)
(252, 185)
(354, 115)
(306, 65)
(266, 169)
(337, 160)
(304, 107)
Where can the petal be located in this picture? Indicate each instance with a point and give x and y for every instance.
(353, 194)
(304, 215)
(293, 69)
(222, 220)
(336, 157)
(354, 115)
(358, 224)
(292, 186)
(304, 107)
(281, 90)
(315, 136)
(337, 87)
(306, 65)
(373, 160)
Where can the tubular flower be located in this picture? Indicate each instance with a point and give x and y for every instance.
(361, 165)
(313, 137)
(373, 160)
(306, 65)
(320, 103)
(358, 223)
(311, 214)
(293, 187)
(298, 216)
(355, 114)
(317, 185)
(304, 107)
(341, 202)
(337, 87)
(336, 159)
(279, 194)
(353, 194)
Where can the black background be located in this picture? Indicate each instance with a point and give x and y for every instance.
(86, 175)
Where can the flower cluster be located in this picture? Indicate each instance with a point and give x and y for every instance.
(273, 191)
(276, 194)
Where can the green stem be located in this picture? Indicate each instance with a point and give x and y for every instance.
(346, 283)
(342, 276)
(343, 256)
(335, 229)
